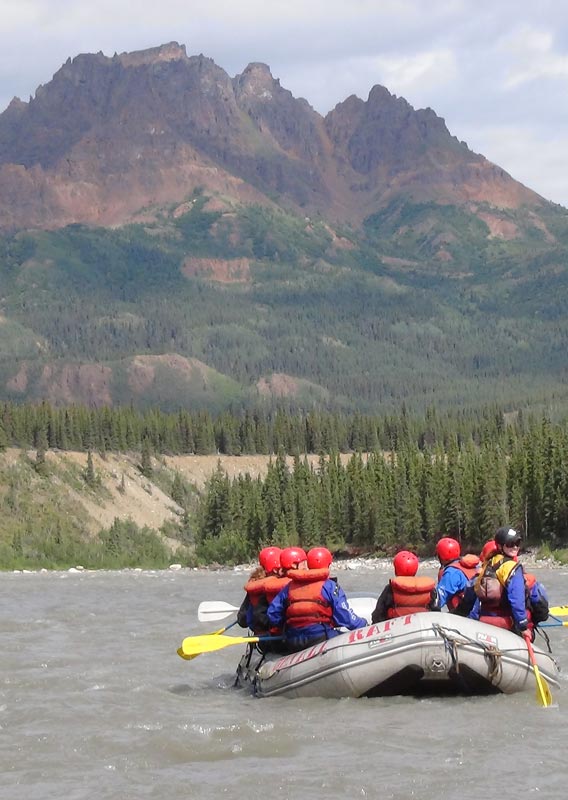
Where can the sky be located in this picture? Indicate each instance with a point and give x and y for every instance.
(495, 70)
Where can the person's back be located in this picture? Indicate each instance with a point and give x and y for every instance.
(406, 593)
(313, 606)
(455, 576)
(264, 583)
(468, 600)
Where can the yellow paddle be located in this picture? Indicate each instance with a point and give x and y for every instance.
(543, 695)
(194, 645)
(558, 611)
(180, 652)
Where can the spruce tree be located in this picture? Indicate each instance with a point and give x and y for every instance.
(146, 459)
(40, 464)
(89, 472)
(3, 438)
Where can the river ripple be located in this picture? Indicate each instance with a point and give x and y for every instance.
(96, 705)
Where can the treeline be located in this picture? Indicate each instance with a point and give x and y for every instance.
(406, 481)
(407, 498)
(124, 429)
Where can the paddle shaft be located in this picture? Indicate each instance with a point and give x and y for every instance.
(557, 623)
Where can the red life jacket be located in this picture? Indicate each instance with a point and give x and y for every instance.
(530, 580)
(306, 605)
(269, 587)
(469, 565)
(411, 595)
(264, 589)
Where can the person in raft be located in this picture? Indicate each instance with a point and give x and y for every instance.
(312, 607)
(535, 593)
(261, 588)
(469, 597)
(456, 576)
(500, 587)
(406, 593)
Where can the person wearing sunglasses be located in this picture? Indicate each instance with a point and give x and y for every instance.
(500, 586)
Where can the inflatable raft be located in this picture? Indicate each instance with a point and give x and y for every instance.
(430, 653)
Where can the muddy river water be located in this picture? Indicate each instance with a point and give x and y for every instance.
(96, 705)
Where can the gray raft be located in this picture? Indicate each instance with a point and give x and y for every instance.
(429, 653)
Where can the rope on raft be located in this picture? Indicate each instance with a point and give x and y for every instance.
(454, 639)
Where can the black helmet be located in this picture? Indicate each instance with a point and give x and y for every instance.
(507, 537)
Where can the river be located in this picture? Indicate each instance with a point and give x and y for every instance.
(96, 705)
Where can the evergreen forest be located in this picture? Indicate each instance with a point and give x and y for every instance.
(407, 481)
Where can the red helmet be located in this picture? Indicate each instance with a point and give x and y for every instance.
(488, 549)
(291, 557)
(448, 549)
(319, 558)
(269, 558)
(405, 564)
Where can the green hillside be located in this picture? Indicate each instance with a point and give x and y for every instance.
(421, 306)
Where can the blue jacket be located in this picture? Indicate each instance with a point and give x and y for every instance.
(451, 583)
(342, 614)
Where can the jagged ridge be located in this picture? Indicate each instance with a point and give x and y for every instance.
(108, 140)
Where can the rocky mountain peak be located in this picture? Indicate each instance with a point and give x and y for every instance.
(255, 83)
(15, 107)
(380, 97)
(146, 128)
(153, 55)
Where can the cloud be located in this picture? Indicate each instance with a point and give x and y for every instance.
(533, 57)
(426, 70)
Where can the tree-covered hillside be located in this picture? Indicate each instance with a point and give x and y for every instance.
(402, 482)
(355, 319)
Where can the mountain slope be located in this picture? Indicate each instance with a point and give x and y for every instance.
(219, 306)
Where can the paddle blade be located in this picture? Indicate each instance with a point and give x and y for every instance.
(558, 611)
(194, 645)
(181, 654)
(543, 693)
(213, 610)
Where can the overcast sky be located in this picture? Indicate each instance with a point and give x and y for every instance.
(495, 70)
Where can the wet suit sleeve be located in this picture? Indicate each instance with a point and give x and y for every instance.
(276, 611)
(343, 614)
(516, 598)
(384, 602)
(476, 610)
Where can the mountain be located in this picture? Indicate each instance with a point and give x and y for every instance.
(109, 140)
(171, 235)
